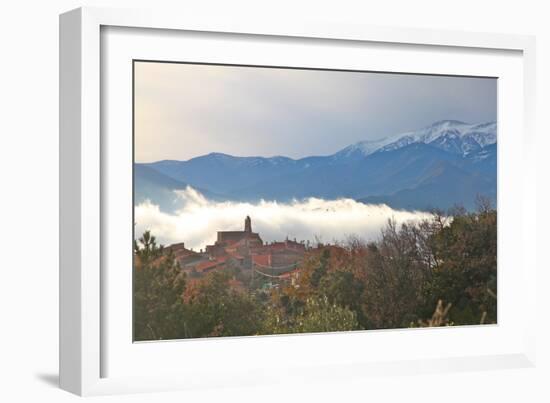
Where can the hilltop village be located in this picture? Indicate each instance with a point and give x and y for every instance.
(245, 256)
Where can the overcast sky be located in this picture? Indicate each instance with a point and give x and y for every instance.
(184, 110)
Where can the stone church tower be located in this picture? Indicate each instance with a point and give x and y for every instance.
(247, 224)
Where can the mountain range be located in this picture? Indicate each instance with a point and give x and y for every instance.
(444, 164)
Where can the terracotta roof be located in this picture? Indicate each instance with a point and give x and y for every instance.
(286, 245)
(277, 245)
(263, 260)
(235, 255)
(210, 264)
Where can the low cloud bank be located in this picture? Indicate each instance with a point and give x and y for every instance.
(198, 220)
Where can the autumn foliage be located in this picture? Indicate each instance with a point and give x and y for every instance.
(440, 272)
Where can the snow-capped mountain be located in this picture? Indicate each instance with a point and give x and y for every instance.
(449, 135)
(446, 163)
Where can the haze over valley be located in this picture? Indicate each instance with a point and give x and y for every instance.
(350, 193)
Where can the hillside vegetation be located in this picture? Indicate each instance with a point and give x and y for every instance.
(439, 272)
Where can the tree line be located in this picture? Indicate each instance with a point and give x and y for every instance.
(439, 272)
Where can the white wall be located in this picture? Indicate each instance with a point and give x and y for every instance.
(28, 169)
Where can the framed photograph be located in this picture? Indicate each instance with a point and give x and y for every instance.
(251, 202)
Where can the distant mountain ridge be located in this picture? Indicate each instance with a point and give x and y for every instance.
(446, 163)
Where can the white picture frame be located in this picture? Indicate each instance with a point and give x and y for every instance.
(88, 349)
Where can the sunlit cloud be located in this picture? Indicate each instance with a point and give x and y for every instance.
(198, 220)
